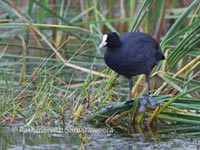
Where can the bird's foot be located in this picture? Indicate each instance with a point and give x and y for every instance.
(145, 99)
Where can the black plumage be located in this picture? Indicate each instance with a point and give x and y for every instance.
(131, 54)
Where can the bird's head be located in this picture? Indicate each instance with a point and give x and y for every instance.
(110, 40)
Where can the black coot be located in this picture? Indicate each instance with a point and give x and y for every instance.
(131, 54)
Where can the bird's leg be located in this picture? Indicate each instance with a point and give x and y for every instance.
(130, 82)
(147, 84)
(147, 97)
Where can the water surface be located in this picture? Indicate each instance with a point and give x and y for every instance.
(90, 137)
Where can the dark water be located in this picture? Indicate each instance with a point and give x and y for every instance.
(183, 137)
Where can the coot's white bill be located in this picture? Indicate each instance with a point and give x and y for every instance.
(103, 43)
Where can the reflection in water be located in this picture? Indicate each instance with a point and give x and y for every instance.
(101, 137)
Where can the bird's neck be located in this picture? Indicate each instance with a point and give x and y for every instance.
(114, 45)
